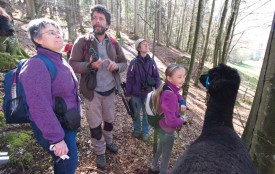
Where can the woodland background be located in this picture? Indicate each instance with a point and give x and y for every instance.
(198, 34)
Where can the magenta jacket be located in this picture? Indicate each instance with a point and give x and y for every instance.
(40, 92)
(169, 105)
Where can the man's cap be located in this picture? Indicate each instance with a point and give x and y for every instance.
(138, 42)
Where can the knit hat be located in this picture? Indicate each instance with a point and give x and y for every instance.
(138, 42)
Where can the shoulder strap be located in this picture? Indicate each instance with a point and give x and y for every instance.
(115, 44)
(85, 46)
(49, 64)
(166, 88)
(87, 40)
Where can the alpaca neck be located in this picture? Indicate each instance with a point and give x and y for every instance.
(219, 112)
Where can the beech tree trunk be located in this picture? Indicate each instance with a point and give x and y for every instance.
(259, 135)
(193, 55)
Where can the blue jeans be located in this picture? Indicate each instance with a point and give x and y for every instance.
(165, 145)
(67, 166)
(138, 104)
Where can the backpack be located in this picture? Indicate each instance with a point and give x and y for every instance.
(15, 106)
(153, 116)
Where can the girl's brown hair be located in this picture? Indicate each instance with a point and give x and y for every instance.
(170, 70)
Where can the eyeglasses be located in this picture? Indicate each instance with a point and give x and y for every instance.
(52, 32)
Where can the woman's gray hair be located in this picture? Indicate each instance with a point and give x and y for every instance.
(36, 25)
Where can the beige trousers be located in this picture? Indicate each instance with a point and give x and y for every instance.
(100, 109)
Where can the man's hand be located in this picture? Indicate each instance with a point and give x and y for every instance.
(97, 64)
(112, 66)
(61, 148)
(128, 98)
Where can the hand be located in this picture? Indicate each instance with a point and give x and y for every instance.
(112, 66)
(182, 108)
(61, 148)
(97, 64)
(128, 98)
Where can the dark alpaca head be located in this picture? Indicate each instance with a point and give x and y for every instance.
(222, 83)
(221, 80)
(6, 27)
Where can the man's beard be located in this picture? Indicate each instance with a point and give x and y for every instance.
(99, 32)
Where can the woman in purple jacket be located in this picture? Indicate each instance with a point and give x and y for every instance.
(41, 93)
(168, 101)
(142, 77)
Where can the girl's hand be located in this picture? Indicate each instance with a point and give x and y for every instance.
(182, 108)
(61, 148)
(128, 98)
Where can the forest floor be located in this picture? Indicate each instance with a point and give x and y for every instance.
(134, 155)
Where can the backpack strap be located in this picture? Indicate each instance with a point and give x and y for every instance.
(49, 64)
(166, 88)
(86, 45)
(115, 44)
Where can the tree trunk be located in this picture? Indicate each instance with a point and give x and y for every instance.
(218, 43)
(230, 29)
(30, 8)
(70, 19)
(191, 32)
(259, 134)
(98, 1)
(205, 50)
(183, 21)
(136, 18)
(146, 19)
(118, 19)
(193, 55)
(158, 21)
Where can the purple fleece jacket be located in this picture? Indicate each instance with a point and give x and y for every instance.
(169, 105)
(40, 92)
(138, 70)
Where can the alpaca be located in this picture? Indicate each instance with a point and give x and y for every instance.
(6, 28)
(218, 149)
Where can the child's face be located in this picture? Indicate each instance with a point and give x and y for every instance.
(177, 78)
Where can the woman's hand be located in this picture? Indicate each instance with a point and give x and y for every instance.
(61, 148)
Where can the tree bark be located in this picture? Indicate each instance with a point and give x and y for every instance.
(191, 32)
(30, 8)
(218, 43)
(259, 134)
(230, 29)
(193, 55)
(135, 18)
(146, 19)
(205, 49)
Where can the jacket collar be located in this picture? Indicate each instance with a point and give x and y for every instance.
(49, 53)
(173, 87)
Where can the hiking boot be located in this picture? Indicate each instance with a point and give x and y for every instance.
(145, 138)
(136, 135)
(101, 161)
(112, 147)
(151, 171)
